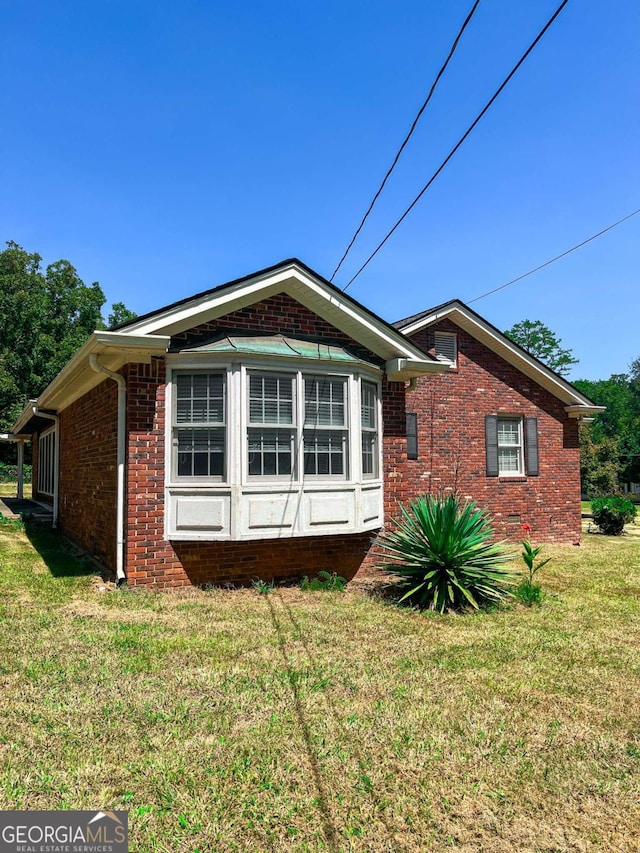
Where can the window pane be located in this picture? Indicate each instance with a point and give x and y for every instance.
(200, 398)
(270, 452)
(325, 452)
(270, 399)
(508, 459)
(201, 452)
(324, 401)
(368, 406)
(368, 454)
(508, 432)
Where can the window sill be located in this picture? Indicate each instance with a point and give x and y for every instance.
(516, 478)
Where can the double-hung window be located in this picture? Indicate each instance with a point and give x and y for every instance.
(511, 446)
(369, 429)
(510, 456)
(325, 426)
(272, 425)
(199, 428)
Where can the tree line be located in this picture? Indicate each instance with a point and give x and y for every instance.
(610, 446)
(45, 316)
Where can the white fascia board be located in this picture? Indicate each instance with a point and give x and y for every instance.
(503, 347)
(583, 411)
(77, 377)
(403, 369)
(360, 324)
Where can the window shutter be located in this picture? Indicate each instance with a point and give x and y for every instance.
(531, 446)
(491, 441)
(412, 435)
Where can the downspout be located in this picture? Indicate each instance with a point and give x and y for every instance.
(120, 461)
(56, 460)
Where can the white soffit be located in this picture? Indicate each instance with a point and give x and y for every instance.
(114, 349)
(577, 404)
(291, 279)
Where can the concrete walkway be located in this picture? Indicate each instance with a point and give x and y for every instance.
(17, 508)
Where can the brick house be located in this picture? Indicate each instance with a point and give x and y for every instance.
(270, 426)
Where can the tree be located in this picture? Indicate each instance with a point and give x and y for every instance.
(44, 318)
(120, 314)
(599, 464)
(541, 342)
(621, 418)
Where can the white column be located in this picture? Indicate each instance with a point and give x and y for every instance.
(20, 493)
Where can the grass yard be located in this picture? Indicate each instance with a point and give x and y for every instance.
(299, 721)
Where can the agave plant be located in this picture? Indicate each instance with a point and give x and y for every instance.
(443, 552)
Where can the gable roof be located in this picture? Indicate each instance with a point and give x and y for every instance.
(147, 336)
(576, 403)
(404, 359)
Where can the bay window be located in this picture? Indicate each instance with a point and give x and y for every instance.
(264, 451)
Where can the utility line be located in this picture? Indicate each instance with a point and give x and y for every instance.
(460, 141)
(407, 137)
(557, 257)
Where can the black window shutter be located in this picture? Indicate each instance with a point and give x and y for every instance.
(531, 446)
(412, 435)
(491, 441)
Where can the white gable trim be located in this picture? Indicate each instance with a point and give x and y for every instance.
(577, 405)
(305, 288)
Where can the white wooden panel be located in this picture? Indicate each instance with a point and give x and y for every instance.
(331, 510)
(371, 505)
(271, 511)
(200, 512)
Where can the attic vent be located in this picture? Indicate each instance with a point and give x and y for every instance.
(446, 347)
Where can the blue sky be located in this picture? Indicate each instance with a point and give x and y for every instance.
(164, 148)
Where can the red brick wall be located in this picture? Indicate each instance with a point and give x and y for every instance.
(153, 560)
(88, 477)
(451, 409)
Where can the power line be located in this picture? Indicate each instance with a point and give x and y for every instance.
(557, 257)
(460, 141)
(407, 137)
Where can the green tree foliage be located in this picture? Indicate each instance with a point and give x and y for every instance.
(621, 420)
(45, 316)
(599, 464)
(537, 339)
(120, 314)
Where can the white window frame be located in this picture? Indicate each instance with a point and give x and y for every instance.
(519, 447)
(198, 425)
(46, 461)
(374, 431)
(437, 345)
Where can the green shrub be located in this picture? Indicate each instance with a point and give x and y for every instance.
(612, 512)
(9, 473)
(529, 593)
(443, 552)
(324, 582)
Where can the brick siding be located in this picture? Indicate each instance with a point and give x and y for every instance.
(451, 409)
(88, 475)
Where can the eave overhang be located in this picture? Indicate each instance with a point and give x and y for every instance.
(576, 404)
(403, 369)
(583, 411)
(77, 377)
(302, 284)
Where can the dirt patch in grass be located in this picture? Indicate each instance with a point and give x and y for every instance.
(232, 721)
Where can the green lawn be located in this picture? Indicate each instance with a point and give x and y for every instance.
(299, 721)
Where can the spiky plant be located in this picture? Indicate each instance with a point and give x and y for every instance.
(443, 552)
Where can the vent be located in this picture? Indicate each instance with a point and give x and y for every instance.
(445, 345)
